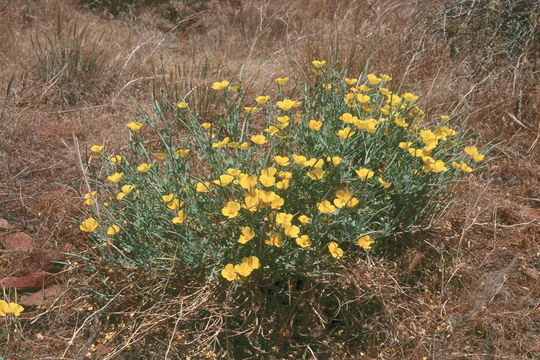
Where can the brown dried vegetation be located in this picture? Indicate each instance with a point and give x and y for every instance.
(69, 75)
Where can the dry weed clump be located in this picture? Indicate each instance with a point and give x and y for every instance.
(71, 65)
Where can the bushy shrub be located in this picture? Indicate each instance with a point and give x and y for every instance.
(341, 167)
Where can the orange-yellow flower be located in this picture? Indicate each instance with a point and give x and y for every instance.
(89, 225)
(365, 241)
(229, 273)
(326, 207)
(282, 81)
(303, 241)
(286, 104)
(335, 250)
(267, 176)
(262, 99)
(364, 174)
(180, 218)
(315, 124)
(258, 139)
(134, 125)
(247, 235)
(231, 209)
(113, 230)
(346, 133)
(220, 85)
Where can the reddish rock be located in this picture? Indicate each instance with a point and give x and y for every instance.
(45, 260)
(19, 240)
(45, 297)
(35, 280)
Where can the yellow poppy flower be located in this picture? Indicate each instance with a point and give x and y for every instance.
(258, 139)
(282, 81)
(315, 125)
(181, 153)
(365, 241)
(113, 230)
(11, 308)
(247, 181)
(385, 78)
(252, 261)
(202, 186)
(221, 143)
(373, 79)
(303, 219)
(351, 82)
(335, 250)
(250, 110)
(299, 159)
(229, 273)
(439, 167)
(89, 225)
(206, 125)
(180, 218)
(316, 173)
(262, 99)
(231, 209)
(303, 241)
(251, 201)
(384, 184)
(182, 105)
(342, 198)
(335, 160)
(220, 85)
(267, 178)
(247, 235)
(282, 160)
(364, 174)
(144, 167)
(134, 125)
(286, 104)
(274, 239)
(96, 149)
(116, 159)
(326, 207)
(243, 269)
(160, 156)
(126, 189)
(116, 177)
(401, 122)
(89, 198)
(224, 180)
(346, 133)
(291, 231)
(283, 184)
(361, 98)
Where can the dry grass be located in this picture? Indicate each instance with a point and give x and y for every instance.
(469, 290)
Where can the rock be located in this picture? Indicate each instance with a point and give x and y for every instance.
(4, 224)
(45, 260)
(36, 280)
(45, 297)
(531, 213)
(532, 273)
(19, 240)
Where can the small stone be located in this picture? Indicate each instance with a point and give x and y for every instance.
(532, 273)
(43, 297)
(20, 240)
(35, 280)
(4, 224)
